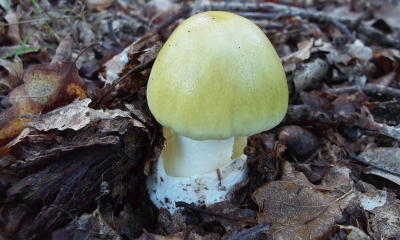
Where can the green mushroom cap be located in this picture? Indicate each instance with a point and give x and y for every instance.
(217, 76)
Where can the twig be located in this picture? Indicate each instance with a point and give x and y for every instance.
(370, 88)
(315, 16)
(137, 68)
(112, 33)
(73, 219)
(187, 205)
(303, 111)
(275, 10)
(361, 160)
(248, 233)
(308, 160)
(196, 7)
(379, 36)
(143, 65)
(182, 12)
(342, 28)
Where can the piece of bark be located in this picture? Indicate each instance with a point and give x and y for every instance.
(66, 187)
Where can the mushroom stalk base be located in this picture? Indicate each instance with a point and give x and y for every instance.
(203, 188)
(200, 189)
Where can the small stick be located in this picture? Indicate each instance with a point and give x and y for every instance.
(248, 233)
(361, 160)
(370, 88)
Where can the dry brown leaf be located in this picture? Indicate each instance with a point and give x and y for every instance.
(289, 62)
(115, 65)
(75, 115)
(389, 12)
(299, 208)
(88, 226)
(349, 146)
(13, 33)
(28, 48)
(345, 55)
(63, 52)
(381, 209)
(234, 219)
(45, 87)
(386, 158)
(342, 107)
(165, 221)
(12, 78)
(385, 220)
(336, 180)
(131, 76)
(310, 74)
(99, 4)
(350, 232)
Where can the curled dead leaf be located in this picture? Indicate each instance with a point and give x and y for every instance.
(46, 87)
(13, 76)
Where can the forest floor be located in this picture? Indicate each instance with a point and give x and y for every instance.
(77, 138)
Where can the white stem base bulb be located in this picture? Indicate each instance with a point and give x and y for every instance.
(193, 175)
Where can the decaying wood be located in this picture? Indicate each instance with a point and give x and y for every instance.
(65, 186)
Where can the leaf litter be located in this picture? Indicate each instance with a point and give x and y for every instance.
(77, 169)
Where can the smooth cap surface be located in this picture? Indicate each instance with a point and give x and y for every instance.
(217, 76)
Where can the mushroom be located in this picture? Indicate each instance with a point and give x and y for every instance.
(217, 80)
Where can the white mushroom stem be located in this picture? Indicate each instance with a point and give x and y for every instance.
(203, 172)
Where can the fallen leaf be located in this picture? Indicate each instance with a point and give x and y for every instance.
(99, 4)
(75, 115)
(350, 232)
(289, 61)
(5, 5)
(165, 221)
(131, 76)
(13, 77)
(350, 147)
(389, 12)
(359, 51)
(88, 226)
(386, 158)
(19, 138)
(13, 33)
(344, 55)
(248, 233)
(341, 108)
(116, 64)
(370, 197)
(310, 74)
(28, 48)
(234, 219)
(344, 13)
(46, 87)
(299, 208)
(63, 51)
(383, 211)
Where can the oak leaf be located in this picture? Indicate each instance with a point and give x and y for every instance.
(46, 87)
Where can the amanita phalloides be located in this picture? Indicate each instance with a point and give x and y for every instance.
(217, 80)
